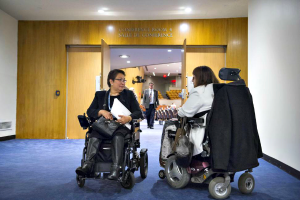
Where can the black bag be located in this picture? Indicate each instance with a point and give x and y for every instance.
(105, 127)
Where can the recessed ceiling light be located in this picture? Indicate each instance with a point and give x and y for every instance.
(169, 50)
(104, 9)
(124, 56)
(154, 67)
(101, 11)
(168, 65)
(128, 61)
(187, 10)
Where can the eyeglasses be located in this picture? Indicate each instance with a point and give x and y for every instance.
(122, 80)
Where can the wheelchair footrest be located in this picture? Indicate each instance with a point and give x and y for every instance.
(102, 167)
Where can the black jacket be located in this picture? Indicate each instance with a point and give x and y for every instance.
(127, 98)
(235, 144)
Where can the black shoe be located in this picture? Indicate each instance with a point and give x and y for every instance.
(151, 127)
(148, 126)
(114, 172)
(84, 170)
(141, 130)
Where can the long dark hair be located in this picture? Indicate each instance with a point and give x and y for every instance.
(113, 74)
(204, 75)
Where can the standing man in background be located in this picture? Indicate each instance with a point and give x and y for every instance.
(150, 101)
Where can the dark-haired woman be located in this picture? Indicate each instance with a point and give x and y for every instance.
(116, 82)
(199, 102)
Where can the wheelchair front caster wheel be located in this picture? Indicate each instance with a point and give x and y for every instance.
(80, 181)
(129, 180)
(246, 183)
(144, 165)
(215, 188)
(162, 174)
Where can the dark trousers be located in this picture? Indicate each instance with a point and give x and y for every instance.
(150, 115)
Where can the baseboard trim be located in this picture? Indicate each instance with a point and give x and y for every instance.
(295, 173)
(10, 137)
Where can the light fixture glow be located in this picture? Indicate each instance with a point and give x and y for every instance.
(168, 65)
(128, 61)
(101, 11)
(110, 28)
(154, 67)
(182, 50)
(169, 74)
(181, 8)
(124, 56)
(184, 27)
(187, 10)
(153, 74)
(169, 50)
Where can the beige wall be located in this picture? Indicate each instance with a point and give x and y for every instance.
(42, 59)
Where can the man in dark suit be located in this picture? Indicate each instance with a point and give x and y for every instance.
(150, 101)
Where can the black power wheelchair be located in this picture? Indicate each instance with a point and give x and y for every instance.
(132, 159)
(218, 181)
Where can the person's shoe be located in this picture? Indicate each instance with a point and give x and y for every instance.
(85, 169)
(151, 127)
(148, 126)
(141, 130)
(114, 172)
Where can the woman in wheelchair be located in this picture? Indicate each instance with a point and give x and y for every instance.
(116, 82)
(199, 102)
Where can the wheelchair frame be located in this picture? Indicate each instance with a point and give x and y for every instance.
(133, 162)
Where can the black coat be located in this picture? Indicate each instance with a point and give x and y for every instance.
(127, 98)
(235, 144)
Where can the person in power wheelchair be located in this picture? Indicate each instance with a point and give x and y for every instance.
(228, 143)
(101, 106)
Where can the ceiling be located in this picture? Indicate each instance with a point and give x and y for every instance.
(123, 9)
(162, 59)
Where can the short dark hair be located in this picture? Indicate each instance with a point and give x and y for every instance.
(151, 83)
(113, 74)
(204, 75)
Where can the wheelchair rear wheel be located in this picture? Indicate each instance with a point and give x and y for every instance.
(177, 177)
(80, 181)
(246, 183)
(129, 180)
(144, 165)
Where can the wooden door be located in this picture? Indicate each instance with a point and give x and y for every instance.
(105, 64)
(84, 64)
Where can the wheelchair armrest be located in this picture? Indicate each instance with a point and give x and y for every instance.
(84, 121)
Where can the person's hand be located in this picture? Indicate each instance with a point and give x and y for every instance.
(124, 119)
(106, 114)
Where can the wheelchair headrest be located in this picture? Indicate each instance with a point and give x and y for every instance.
(229, 74)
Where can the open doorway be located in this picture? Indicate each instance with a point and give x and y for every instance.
(159, 64)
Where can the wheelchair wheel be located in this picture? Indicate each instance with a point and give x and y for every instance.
(162, 174)
(246, 183)
(144, 165)
(215, 191)
(129, 180)
(177, 177)
(80, 181)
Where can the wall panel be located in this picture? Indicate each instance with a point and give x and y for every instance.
(42, 59)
